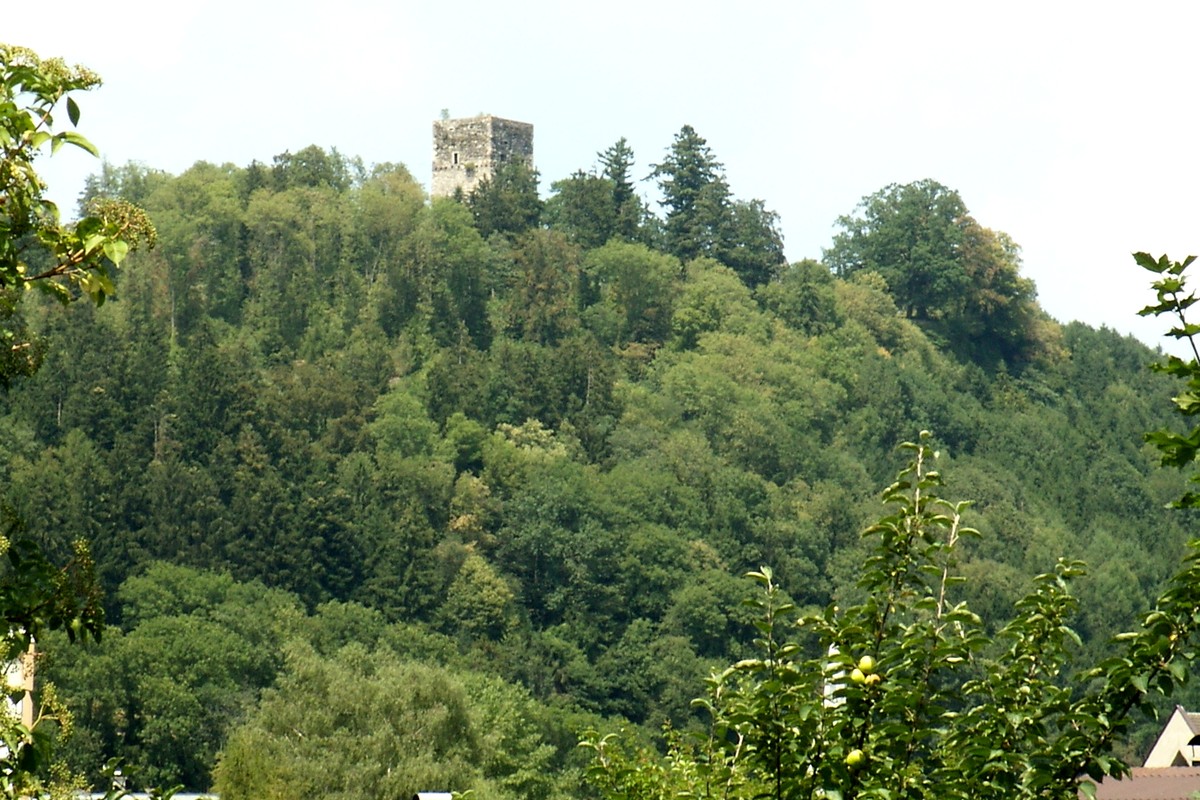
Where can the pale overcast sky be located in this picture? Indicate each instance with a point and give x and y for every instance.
(1069, 125)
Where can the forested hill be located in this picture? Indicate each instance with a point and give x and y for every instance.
(498, 465)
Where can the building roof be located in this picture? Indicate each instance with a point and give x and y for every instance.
(1152, 783)
(1178, 743)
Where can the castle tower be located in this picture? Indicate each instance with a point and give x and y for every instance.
(465, 151)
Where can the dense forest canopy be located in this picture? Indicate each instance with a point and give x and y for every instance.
(351, 461)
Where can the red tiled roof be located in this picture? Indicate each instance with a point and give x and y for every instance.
(1152, 783)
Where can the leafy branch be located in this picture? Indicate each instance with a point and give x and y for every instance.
(904, 693)
(1174, 299)
(36, 249)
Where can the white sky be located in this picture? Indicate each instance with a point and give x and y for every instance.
(1067, 124)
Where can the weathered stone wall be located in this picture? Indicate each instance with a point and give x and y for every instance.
(465, 151)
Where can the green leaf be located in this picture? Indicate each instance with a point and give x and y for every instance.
(1146, 261)
(94, 242)
(73, 110)
(116, 250)
(80, 141)
(55, 290)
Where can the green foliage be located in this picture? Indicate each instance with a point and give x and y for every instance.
(507, 202)
(200, 218)
(479, 604)
(618, 161)
(542, 297)
(1174, 299)
(696, 196)
(592, 209)
(713, 299)
(903, 692)
(542, 454)
(312, 166)
(910, 235)
(363, 724)
(583, 208)
(297, 242)
(637, 286)
(401, 427)
(703, 220)
(803, 297)
(132, 182)
(996, 318)
(38, 596)
(36, 249)
(197, 649)
(945, 270)
(439, 277)
(755, 250)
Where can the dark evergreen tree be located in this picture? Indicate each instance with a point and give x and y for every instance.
(696, 196)
(617, 162)
(507, 202)
(703, 219)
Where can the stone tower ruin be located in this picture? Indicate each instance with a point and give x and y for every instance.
(465, 151)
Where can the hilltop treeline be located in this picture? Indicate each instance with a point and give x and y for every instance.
(354, 464)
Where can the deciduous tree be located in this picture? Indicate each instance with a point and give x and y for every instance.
(37, 250)
(945, 270)
(582, 208)
(904, 694)
(912, 235)
(363, 724)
